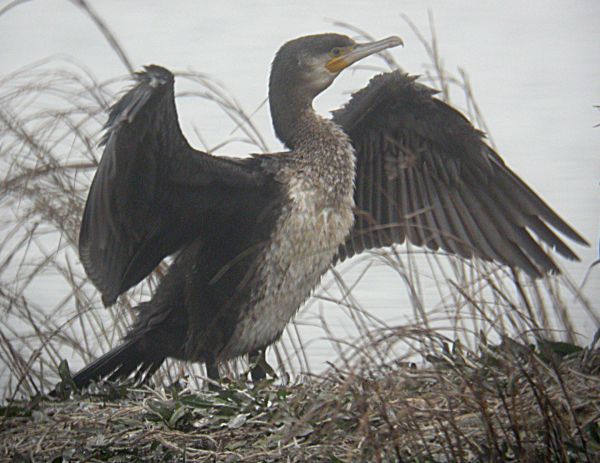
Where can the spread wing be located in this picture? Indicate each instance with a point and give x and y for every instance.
(152, 192)
(425, 174)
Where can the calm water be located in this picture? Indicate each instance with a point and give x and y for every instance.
(533, 66)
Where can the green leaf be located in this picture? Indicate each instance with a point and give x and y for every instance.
(180, 412)
(238, 421)
(562, 349)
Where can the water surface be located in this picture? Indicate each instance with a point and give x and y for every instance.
(533, 66)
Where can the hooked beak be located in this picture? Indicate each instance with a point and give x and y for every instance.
(359, 51)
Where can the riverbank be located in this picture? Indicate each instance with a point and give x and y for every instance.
(509, 402)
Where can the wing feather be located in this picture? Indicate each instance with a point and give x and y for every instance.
(425, 173)
(152, 192)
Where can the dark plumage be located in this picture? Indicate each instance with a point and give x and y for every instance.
(426, 174)
(253, 236)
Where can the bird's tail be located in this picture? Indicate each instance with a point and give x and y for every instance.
(128, 359)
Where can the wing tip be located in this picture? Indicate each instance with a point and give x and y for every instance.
(109, 297)
(149, 81)
(155, 75)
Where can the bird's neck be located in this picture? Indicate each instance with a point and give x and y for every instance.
(291, 110)
(319, 145)
(322, 152)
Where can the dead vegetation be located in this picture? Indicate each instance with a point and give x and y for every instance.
(510, 402)
(477, 376)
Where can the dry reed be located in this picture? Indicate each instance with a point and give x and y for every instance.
(477, 376)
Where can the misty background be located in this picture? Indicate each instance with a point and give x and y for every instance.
(534, 68)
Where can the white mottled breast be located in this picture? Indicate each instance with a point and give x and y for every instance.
(315, 222)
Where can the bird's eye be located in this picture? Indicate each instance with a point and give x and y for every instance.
(336, 52)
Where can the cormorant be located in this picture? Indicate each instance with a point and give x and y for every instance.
(253, 236)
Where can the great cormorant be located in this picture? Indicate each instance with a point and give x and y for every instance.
(253, 236)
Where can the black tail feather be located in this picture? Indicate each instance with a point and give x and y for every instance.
(120, 363)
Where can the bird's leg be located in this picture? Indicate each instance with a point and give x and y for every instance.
(212, 371)
(259, 366)
(257, 372)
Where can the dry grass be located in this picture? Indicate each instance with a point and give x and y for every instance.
(509, 402)
(486, 386)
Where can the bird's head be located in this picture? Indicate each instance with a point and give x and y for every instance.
(310, 64)
(306, 66)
